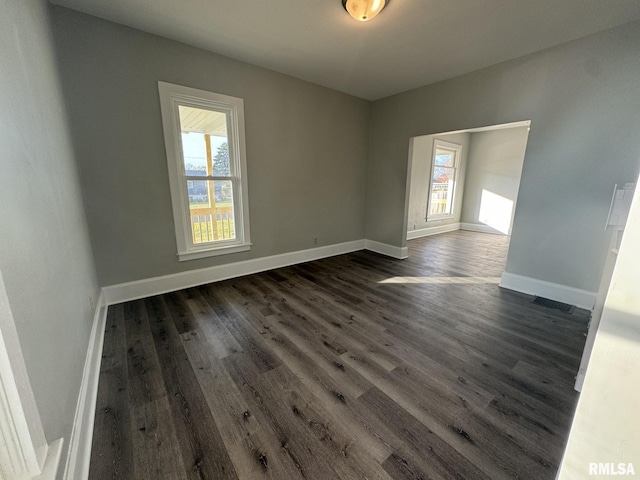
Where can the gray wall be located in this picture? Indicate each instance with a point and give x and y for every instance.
(421, 160)
(45, 255)
(494, 164)
(306, 148)
(583, 99)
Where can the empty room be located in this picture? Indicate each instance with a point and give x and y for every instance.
(346, 239)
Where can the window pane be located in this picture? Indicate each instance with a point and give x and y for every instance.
(445, 158)
(204, 141)
(439, 195)
(198, 194)
(442, 190)
(211, 210)
(443, 174)
(221, 166)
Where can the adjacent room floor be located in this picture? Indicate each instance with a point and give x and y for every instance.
(356, 366)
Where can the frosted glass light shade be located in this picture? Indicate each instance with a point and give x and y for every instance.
(364, 10)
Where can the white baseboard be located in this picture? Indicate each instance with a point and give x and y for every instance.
(579, 382)
(425, 232)
(480, 227)
(79, 454)
(386, 249)
(125, 292)
(52, 461)
(135, 290)
(554, 291)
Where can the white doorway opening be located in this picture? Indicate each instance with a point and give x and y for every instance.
(465, 179)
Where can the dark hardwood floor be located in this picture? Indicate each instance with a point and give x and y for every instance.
(356, 366)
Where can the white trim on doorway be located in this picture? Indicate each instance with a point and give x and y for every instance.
(501, 126)
(25, 453)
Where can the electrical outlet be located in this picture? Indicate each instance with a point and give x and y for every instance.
(315, 240)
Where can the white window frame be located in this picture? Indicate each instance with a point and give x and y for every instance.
(171, 97)
(456, 170)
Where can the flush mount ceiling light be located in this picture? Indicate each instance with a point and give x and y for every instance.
(364, 10)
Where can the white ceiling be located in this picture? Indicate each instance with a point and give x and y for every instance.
(410, 44)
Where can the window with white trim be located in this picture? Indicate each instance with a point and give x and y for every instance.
(204, 139)
(444, 175)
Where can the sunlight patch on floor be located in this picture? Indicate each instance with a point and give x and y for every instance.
(442, 280)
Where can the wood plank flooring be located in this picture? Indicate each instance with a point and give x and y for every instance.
(353, 367)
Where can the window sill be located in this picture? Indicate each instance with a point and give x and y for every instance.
(212, 252)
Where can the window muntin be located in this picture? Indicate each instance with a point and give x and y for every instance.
(204, 136)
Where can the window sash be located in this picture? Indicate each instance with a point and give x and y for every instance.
(234, 209)
(230, 114)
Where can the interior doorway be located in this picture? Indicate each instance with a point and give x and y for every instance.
(465, 180)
